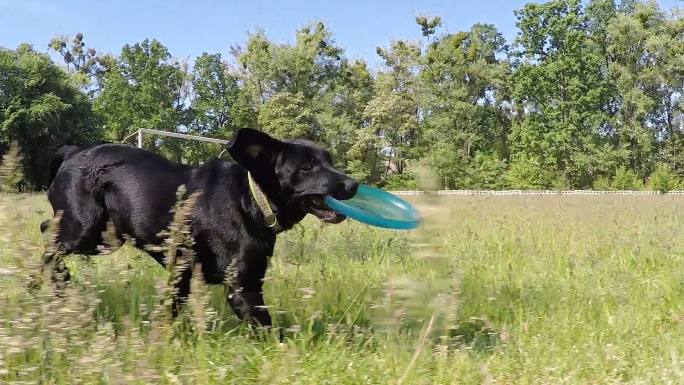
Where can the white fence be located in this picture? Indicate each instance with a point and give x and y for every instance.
(532, 192)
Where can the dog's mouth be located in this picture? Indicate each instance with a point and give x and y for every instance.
(315, 205)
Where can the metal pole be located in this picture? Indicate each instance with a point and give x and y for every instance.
(184, 136)
(140, 142)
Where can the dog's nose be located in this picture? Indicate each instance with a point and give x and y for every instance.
(348, 189)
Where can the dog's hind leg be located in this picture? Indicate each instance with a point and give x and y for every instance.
(52, 260)
(52, 263)
(73, 235)
(182, 273)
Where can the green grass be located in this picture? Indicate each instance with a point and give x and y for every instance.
(497, 290)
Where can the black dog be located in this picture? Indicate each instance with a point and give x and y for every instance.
(135, 189)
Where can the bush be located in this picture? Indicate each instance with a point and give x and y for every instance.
(663, 179)
(626, 179)
(487, 171)
(405, 181)
(529, 173)
(602, 183)
(447, 164)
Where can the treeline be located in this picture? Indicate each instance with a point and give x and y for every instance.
(588, 95)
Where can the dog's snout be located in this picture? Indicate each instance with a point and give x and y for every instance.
(347, 189)
(350, 185)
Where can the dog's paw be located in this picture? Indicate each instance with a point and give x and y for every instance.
(35, 282)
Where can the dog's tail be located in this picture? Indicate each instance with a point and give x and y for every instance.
(60, 156)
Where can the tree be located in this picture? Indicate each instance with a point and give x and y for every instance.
(311, 91)
(84, 63)
(428, 25)
(215, 96)
(40, 109)
(393, 113)
(143, 88)
(666, 51)
(630, 68)
(77, 56)
(464, 101)
(217, 108)
(353, 143)
(308, 67)
(589, 94)
(663, 179)
(288, 116)
(560, 92)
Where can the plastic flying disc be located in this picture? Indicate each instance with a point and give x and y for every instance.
(378, 208)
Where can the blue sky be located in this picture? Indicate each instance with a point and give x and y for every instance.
(189, 28)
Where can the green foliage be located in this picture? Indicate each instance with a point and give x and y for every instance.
(287, 116)
(83, 64)
(428, 25)
(635, 48)
(663, 179)
(584, 89)
(448, 166)
(393, 112)
(530, 173)
(558, 81)
(626, 179)
(40, 109)
(463, 92)
(215, 106)
(143, 88)
(404, 181)
(77, 56)
(602, 183)
(488, 171)
(310, 90)
(484, 171)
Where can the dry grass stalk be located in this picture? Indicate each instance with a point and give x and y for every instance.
(201, 313)
(11, 170)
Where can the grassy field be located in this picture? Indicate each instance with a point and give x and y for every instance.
(496, 290)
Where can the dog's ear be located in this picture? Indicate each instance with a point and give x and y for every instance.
(252, 148)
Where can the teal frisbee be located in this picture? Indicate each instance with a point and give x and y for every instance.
(378, 208)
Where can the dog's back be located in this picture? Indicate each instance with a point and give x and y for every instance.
(131, 187)
(61, 155)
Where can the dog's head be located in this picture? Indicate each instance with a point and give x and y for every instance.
(295, 174)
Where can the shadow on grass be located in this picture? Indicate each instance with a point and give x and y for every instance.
(475, 334)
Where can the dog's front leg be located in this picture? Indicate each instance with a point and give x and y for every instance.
(181, 290)
(247, 301)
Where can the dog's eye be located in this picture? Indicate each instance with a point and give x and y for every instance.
(306, 167)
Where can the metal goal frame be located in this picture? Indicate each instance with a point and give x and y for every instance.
(142, 131)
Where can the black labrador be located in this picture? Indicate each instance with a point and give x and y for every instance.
(135, 190)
